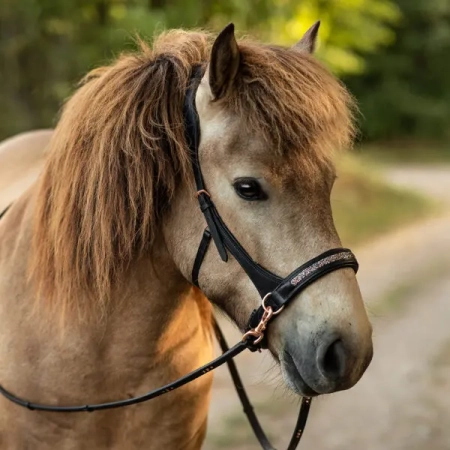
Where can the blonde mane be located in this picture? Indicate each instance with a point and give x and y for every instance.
(119, 152)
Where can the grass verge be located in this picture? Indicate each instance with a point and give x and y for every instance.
(365, 206)
(414, 152)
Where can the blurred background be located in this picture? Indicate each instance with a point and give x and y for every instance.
(393, 54)
(391, 201)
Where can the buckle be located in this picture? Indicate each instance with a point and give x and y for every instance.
(257, 333)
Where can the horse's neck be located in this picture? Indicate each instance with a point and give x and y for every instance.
(156, 332)
(152, 298)
(159, 309)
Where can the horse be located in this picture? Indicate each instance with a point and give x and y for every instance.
(96, 291)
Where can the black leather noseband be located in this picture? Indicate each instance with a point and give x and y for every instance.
(276, 293)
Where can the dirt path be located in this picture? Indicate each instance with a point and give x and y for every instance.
(434, 180)
(390, 408)
(400, 402)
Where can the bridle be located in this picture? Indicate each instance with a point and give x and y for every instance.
(275, 292)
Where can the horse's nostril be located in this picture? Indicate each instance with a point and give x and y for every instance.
(331, 360)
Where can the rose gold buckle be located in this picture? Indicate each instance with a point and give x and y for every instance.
(258, 331)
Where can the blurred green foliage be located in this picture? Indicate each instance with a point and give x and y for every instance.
(350, 29)
(405, 90)
(390, 52)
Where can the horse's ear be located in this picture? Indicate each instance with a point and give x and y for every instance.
(309, 40)
(224, 64)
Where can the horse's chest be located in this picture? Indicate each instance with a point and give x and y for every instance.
(47, 374)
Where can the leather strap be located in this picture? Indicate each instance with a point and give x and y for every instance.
(4, 211)
(299, 279)
(231, 353)
(301, 423)
(248, 407)
(192, 134)
(264, 280)
(207, 208)
(242, 394)
(201, 252)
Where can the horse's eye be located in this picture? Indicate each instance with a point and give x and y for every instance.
(249, 189)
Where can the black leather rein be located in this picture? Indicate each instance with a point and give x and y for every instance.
(276, 293)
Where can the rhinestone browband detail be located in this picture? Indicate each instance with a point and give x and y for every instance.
(323, 262)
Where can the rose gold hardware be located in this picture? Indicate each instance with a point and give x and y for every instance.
(202, 191)
(265, 308)
(258, 331)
